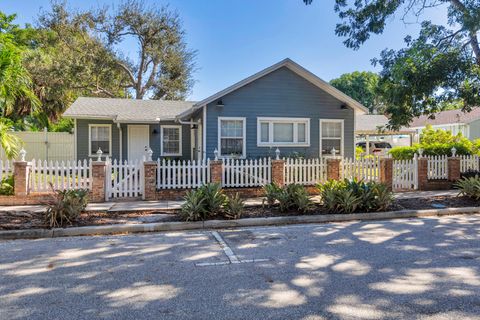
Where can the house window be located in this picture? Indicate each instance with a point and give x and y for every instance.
(171, 140)
(231, 137)
(331, 137)
(100, 136)
(286, 132)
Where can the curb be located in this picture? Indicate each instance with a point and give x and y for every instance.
(222, 224)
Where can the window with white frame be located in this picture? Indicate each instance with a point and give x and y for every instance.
(331, 137)
(283, 132)
(100, 137)
(231, 137)
(171, 138)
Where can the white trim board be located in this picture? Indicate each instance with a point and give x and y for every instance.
(295, 122)
(342, 139)
(179, 127)
(90, 125)
(244, 151)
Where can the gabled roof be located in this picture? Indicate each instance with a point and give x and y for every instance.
(127, 110)
(293, 66)
(447, 117)
(371, 123)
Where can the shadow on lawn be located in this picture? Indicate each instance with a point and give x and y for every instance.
(394, 269)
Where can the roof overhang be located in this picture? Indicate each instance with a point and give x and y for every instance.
(293, 66)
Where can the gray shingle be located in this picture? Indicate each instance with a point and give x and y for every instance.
(124, 110)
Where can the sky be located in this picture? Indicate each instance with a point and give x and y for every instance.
(236, 38)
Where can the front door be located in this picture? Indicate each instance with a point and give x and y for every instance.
(138, 141)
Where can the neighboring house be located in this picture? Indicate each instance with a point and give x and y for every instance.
(373, 127)
(456, 121)
(284, 106)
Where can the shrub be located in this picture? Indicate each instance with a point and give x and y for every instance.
(214, 198)
(290, 197)
(351, 195)
(271, 193)
(66, 207)
(234, 207)
(194, 207)
(469, 187)
(7, 186)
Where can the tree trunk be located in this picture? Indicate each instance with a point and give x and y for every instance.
(472, 33)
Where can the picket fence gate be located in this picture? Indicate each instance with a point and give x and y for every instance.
(246, 173)
(437, 167)
(305, 171)
(367, 169)
(469, 163)
(59, 175)
(405, 174)
(182, 174)
(124, 180)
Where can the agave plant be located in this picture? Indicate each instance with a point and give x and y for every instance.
(194, 207)
(469, 187)
(234, 207)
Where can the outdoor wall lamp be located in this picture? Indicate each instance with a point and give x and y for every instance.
(220, 103)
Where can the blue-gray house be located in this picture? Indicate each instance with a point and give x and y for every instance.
(284, 106)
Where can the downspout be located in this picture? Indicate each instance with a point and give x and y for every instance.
(75, 139)
(120, 138)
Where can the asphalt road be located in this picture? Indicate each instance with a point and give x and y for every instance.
(401, 269)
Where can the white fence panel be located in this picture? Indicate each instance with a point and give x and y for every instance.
(437, 167)
(182, 174)
(469, 163)
(246, 173)
(6, 169)
(125, 180)
(367, 169)
(63, 175)
(405, 174)
(46, 145)
(305, 171)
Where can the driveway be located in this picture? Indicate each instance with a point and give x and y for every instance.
(419, 268)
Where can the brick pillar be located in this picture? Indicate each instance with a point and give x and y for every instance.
(216, 170)
(278, 172)
(386, 172)
(333, 169)
(422, 173)
(98, 181)
(150, 180)
(21, 171)
(453, 168)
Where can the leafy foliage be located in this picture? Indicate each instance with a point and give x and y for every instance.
(469, 187)
(194, 207)
(351, 195)
(208, 201)
(234, 207)
(290, 197)
(66, 207)
(271, 193)
(7, 186)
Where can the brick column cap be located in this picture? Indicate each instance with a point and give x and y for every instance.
(216, 161)
(149, 163)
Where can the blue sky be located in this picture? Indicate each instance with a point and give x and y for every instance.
(236, 38)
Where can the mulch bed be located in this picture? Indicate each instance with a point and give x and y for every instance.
(30, 220)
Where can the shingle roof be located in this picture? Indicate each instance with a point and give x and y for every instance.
(125, 110)
(447, 117)
(370, 123)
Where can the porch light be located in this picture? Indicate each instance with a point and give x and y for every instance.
(343, 106)
(220, 103)
(155, 131)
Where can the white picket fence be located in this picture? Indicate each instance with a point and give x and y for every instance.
(246, 173)
(6, 169)
(125, 179)
(405, 174)
(182, 174)
(305, 171)
(437, 167)
(367, 169)
(469, 163)
(64, 175)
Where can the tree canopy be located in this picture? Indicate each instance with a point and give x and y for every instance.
(439, 67)
(361, 86)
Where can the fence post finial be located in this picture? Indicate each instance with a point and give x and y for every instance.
(454, 152)
(150, 154)
(420, 152)
(334, 152)
(277, 154)
(99, 154)
(22, 153)
(215, 153)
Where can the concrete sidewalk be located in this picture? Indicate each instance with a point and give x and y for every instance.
(164, 205)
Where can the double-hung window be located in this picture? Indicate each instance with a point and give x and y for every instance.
(283, 132)
(231, 137)
(171, 138)
(100, 137)
(331, 137)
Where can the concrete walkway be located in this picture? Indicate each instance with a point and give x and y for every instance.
(173, 205)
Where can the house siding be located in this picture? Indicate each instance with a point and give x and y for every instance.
(154, 139)
(281, 93)
(474, 130)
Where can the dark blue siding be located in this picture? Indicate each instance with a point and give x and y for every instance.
(281, 93)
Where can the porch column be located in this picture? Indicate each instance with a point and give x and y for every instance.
(21, 173)
(367, 145)
(98, 187)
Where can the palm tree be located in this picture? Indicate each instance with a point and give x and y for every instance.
(10, 143)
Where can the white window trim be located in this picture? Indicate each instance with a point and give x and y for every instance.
(244, 151)
(163, 154)
(295, 122)
(342, 139)
(94, 153)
